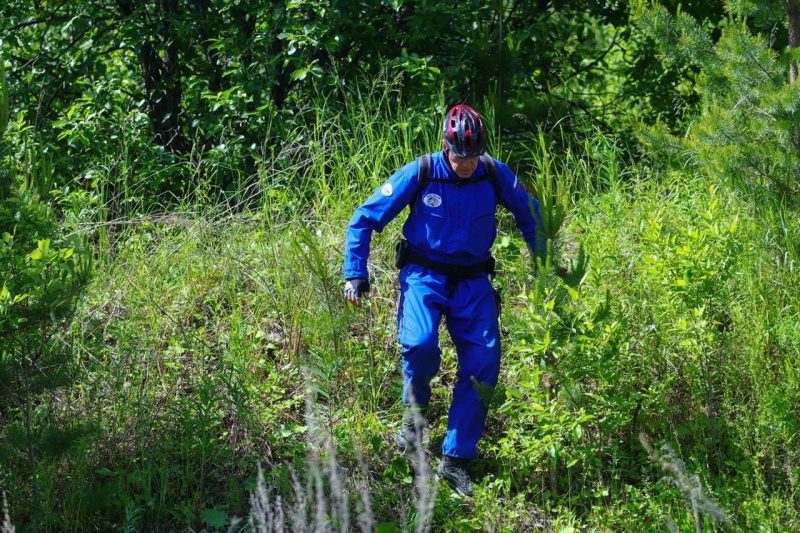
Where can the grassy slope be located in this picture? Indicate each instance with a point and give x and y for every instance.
(205, 335)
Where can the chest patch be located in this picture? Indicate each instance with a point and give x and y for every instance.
(387, 190)
(432, 200)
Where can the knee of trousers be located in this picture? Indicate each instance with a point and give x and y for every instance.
(483, 365)
(421, 361)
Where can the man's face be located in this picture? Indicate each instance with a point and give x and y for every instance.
(462, 166)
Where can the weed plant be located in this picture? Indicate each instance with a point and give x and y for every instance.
(233, 388)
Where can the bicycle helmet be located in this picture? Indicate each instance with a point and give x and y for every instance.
(464, 132)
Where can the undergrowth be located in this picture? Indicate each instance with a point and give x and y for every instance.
(232, 388)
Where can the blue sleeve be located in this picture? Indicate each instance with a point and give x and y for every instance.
(525, 209)
(373, 215)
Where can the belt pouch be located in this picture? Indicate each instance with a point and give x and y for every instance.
(400, 253)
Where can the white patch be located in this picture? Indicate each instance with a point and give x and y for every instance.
(432, 200)
(387, 189)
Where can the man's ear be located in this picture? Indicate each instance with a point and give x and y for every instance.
(444, 146)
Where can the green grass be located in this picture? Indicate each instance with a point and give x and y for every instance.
(214, 340)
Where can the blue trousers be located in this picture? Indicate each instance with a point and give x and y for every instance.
(471, 318)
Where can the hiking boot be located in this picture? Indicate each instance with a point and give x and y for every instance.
(455, 471)
(409, 437)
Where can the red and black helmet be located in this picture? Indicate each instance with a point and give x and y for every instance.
(464, 132)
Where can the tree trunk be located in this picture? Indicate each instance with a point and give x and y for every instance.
(162, 81)
(793, 22)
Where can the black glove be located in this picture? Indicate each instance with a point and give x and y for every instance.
(356, 288)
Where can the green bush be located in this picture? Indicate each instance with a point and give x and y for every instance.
(43, 266)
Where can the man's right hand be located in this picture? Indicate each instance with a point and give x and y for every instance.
(355, 289)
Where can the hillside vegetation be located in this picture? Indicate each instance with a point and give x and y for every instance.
(176, 353)
(212, 341)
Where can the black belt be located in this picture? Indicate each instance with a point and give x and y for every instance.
(449, 269)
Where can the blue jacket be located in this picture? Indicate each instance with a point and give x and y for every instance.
(448, 222)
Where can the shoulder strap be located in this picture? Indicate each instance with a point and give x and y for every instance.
(423, 176)
(489, 167)
(424, 173)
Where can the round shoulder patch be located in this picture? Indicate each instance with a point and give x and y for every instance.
(432, 200)
(387, 189)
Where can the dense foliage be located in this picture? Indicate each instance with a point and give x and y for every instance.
(142, 87)
(175, 180)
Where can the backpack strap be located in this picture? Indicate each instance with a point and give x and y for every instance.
(490, 168)
(424, 173)
(423, 176)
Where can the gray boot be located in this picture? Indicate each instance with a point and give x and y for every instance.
(455, 471)
(409, 437)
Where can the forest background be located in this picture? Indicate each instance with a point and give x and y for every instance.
(175, 181)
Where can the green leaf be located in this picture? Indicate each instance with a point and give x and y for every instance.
(214, 518)
(299, 74)
(573, 294)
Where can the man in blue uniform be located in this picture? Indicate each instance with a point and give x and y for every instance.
(446, 269)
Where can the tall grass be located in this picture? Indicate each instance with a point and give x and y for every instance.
(234, 389)
(6, 526)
